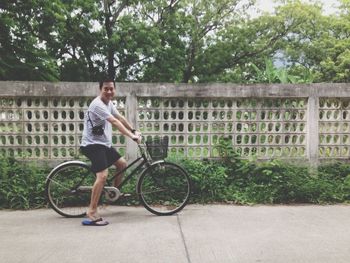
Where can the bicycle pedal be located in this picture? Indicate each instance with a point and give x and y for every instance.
(126, 195)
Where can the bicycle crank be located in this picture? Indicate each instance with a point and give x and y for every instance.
(112, 193)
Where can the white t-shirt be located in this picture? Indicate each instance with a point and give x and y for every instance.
(98, 112)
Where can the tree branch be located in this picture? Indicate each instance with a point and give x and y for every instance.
(120, 8)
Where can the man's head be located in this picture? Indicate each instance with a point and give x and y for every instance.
(107, 89)
(106, 80)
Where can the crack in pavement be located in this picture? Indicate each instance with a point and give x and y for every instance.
(183, 239)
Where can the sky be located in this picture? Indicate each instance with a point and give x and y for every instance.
(268, 5)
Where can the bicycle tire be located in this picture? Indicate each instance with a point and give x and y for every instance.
(164, 188)
(63, 186)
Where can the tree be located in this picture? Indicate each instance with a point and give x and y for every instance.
(318, 42)
(171, 36)
(205, 19)
(335, 65)
(170, 40)
(22, 49)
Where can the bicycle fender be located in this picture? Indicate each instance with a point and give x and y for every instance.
(66, 163)
(157, 162)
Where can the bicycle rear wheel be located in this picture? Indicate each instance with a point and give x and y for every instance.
(68, 188)
(164, 188)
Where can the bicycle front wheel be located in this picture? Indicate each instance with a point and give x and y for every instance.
(68, 188)
(164, 188)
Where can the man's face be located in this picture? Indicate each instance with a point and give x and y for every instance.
(107, 91)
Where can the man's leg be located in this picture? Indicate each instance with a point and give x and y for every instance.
(120, 164)
(100, 181)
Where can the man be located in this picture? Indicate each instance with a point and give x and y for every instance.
(97, 144)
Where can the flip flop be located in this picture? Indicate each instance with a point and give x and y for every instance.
(97, 222)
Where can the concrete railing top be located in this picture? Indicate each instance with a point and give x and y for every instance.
(90, 89)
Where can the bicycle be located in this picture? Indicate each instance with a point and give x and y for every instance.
(163, 187)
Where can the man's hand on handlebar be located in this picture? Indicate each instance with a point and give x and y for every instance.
(137, 136)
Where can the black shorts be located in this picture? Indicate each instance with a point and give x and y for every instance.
(101, 156)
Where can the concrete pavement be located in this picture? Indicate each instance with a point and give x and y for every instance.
(199, 234)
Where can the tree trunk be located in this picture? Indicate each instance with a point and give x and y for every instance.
(188, 71)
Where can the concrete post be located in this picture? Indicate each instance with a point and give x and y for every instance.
(312, 130)
(131, 115)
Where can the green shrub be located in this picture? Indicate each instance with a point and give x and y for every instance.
(272, 182)
(21, 184)
(209, 180)
(229, 179)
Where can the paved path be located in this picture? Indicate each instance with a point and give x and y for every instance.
(199, 234)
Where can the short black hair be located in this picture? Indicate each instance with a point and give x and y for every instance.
(106, 80)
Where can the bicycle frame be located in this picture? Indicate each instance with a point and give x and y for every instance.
(145, 160)
(134, 171)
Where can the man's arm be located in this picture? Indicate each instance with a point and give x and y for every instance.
(124, 122)
(124, 129)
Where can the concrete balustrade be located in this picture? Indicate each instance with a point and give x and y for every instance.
(41, 120)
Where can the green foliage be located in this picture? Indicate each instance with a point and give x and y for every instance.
(273, 182)
(272, 74)
(317, 41)
(23, 53)
(21, 184)
(228, 179)
(208, 178)
(172, 41)
(234, 180)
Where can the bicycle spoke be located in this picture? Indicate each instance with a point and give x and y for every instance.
(56, 182)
